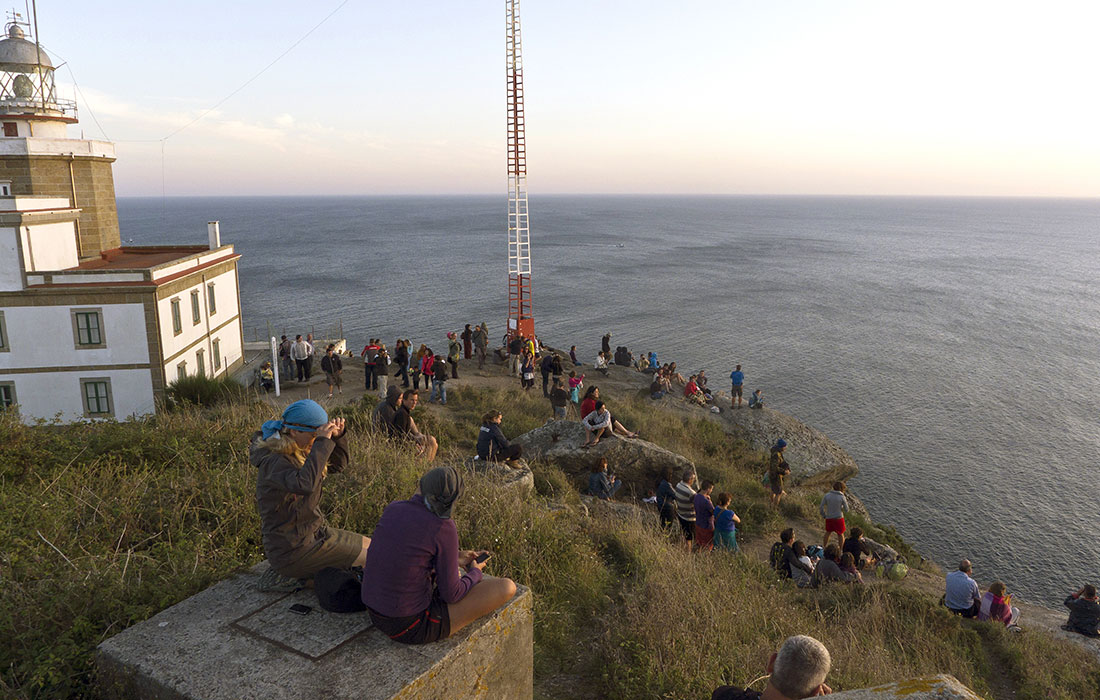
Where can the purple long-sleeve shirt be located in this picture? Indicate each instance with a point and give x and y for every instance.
(704, 512)
(407, 546)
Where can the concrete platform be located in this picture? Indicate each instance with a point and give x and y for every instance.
(231, 642)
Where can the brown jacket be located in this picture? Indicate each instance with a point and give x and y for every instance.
(288, 496)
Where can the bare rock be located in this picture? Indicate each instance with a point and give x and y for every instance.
(515, 475)
(942, 687)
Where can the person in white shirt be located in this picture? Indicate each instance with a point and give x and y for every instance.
(301, 352)
(595, 424)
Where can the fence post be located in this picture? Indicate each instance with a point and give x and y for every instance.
(275, 363)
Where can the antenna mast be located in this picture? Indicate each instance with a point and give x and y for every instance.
(520, 320)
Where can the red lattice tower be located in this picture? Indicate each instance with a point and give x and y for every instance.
(520, 318)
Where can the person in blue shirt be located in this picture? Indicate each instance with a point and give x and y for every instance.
(600, 484)
(725, 524)
(738, 379)
(757, 399)
(962, 596)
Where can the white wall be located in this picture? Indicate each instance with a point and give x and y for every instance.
(56, 146)
(225, 291)
(44, 395)
(42, 336)
(51, 246)
(11, 278)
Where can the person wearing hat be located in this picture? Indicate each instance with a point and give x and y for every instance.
(292, 457)
(418, 586)
(778, 469)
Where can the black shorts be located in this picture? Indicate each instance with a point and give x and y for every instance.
(688, 527)
(429, 625)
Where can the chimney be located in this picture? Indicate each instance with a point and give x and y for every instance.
(214, 229)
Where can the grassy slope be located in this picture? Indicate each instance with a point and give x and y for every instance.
(107, 524)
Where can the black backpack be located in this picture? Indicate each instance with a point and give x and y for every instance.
(777, 560)
(339, 590)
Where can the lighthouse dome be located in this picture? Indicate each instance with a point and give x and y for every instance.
(15, 50)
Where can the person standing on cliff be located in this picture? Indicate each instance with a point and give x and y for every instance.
(467, 341)
(833, 507)
(778, 469)
(704, 517)
(453, 351)
(685, 505)
(605, 344)
(796, 671)
(737, 377)
(481, 342)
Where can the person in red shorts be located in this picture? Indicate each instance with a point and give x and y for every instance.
(833, 507)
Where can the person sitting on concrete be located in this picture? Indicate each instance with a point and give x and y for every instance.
(796, 671)
(782, 556)
(559, 399)
(492, 446)
(1084, 611)
(757, 399)
(704, 517)
(601, 484)
(404, 426)
(799, 575)
(596, 424)
(962, 596)
(857, 546)
(418, 585)
(685, 505)
(828, 569)
(833, 506)
(267, 377)
(997, 606)
(725, 523)
(292, 456)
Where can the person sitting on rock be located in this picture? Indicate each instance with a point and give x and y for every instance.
(798, 574)
(783, 558)
(833, 506)
(796, 671)
(602, 485)
(701, 382)
(828, 569)
(704, 517)
(685, 505)
(418, 585)
(292, 456)
(757, 399)
(997, 606)
(601, 363)
(692, 392)
(1084, 611)
(725, 524)
(778, 469)
(595, 424)
(492, 446)
(861, 551)
(673, 375)
(656, 388)
(404, 426)
(962, 595)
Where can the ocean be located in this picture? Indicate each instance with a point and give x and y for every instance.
(949, 344)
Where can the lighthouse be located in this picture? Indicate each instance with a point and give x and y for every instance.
(91, 329)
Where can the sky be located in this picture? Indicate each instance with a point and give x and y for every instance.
(639, 96)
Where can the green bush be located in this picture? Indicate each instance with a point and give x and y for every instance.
(200, 390)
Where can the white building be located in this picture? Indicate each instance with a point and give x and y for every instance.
(88, 328)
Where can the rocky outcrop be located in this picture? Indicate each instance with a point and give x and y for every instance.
(635, 461)
(516, 476)
(940, 687)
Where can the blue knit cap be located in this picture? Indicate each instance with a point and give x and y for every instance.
(779, 444)
(305, 415)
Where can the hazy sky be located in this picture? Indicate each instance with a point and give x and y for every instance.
(982, 98)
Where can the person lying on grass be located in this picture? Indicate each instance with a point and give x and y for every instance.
(292, 457)
(418, 585)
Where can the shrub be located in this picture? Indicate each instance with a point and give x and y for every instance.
(200, 390)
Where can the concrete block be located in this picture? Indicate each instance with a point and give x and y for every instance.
(940, 687)
(232, 641)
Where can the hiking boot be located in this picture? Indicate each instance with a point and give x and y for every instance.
(272, 581)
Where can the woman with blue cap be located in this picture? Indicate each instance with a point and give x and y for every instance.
(418, 586)
(778, 469)
(293, 455)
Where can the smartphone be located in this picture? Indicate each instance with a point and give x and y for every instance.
(299, 609)
(482, 557)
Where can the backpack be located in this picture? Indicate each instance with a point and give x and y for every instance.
(893, 570)
(339, 590)
(776, 560)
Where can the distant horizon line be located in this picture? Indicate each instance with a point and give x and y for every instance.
(504, 195)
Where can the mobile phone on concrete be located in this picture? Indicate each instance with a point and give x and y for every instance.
(299, 609)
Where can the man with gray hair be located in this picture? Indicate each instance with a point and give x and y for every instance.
(796, 671)
(961, 595)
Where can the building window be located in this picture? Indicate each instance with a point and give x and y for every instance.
(5, 188)
(11, 129)
(4, 347)
(181, 370)
(177, 321)
(7, 395)
(211, 300)
(217, 354)
(88, 329)
(200, 362)
(196, 309)
(97, 397)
